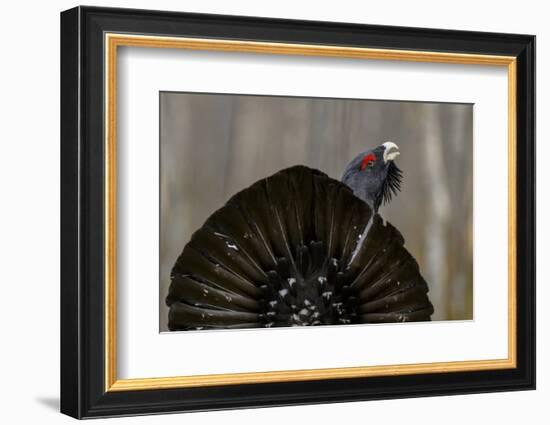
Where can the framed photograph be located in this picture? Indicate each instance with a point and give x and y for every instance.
(261, 212)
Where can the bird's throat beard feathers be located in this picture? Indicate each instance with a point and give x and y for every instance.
(390, 187)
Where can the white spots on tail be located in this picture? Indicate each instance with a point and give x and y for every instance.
(326, 295)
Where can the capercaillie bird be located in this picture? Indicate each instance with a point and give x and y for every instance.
(300, 248)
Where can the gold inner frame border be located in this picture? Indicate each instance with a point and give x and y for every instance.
(111, 43)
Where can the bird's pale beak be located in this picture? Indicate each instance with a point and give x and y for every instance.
(391, 151)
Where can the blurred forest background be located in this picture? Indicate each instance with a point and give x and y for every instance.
(214, 145)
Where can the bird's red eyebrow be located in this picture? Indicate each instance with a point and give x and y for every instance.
(368, 157)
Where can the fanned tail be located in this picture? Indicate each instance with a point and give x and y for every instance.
(284, 252)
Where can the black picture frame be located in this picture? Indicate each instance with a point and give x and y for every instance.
(83, 392)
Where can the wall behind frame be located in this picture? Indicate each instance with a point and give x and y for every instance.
(29, 225)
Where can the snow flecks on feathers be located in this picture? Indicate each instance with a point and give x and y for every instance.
(296, 248)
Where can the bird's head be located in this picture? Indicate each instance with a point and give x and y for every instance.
(373, 175)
